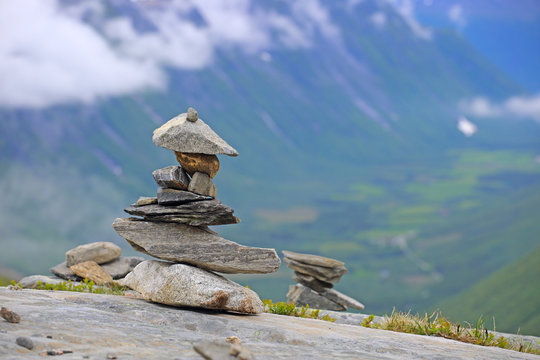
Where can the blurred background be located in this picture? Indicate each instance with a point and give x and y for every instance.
(399, 136)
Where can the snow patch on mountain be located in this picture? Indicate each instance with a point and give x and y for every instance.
(466, 127)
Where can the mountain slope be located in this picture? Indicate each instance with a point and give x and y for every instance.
(510, 295)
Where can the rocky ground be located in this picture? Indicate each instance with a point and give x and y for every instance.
(91, 326)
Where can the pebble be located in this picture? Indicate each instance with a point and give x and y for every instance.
(111, 356)
(192, 115)
(54, 352)
(233, 340)
(25, 342)
(10, 316)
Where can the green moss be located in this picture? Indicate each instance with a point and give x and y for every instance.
(84, 286)
(289, 309)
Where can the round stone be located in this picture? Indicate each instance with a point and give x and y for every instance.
(25, 341)
(192, 114)
(192, 163)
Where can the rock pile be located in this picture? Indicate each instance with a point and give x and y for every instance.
(173, 226)
(99, 262)
(315, 276)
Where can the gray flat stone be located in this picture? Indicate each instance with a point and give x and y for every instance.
(186, 285)
(301, 295)
(117, 268)
(181, 135)
(145, 200)
(62, 271)
(202, 184)
(94, 325)
(173, 177)
(314, 260)
(30, 282)
(325, 274)
(100, 252)
(171, 197)
(209, 212)
(196, 246)
(121, 267)
(311, 282)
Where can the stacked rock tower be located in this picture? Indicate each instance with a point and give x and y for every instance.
(315, 276)
(174, 227)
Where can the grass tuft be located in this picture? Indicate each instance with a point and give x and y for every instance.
(85, 286)
(437, 325)
(289, 309)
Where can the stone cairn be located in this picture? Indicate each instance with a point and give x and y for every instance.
(174, 228)
(315, 276)
(99, 262)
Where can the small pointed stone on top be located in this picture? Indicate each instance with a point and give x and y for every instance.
(187, 133)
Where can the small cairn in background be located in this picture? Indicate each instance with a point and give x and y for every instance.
(315, 276)
(99, 262)
(173, 226)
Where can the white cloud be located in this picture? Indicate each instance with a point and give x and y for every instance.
(378, 19)
(49, 55)
(481, 107)
(528, 106)
(455, 14)
(466, 127)
(515, 106)
(315, 16)
(405, 8)
(265, 56)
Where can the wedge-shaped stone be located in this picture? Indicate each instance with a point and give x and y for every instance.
(301, 295)
(196, 246)
(173, 177)
(185, 285)
(62, 271)
(145, 200)
(192, 163)
(209, 212)
(314, 260)
(92, 271)
(117, 268)
(311, 282)
(181, 135)
(202, 184)
(331, 275)
(100, 252)
(170, 197)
